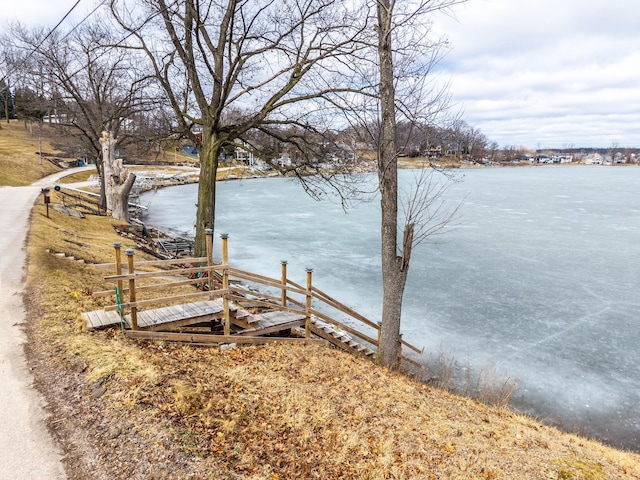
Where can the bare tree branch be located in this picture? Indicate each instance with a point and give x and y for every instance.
(262, 59)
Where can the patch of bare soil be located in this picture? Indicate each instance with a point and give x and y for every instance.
(98, 442)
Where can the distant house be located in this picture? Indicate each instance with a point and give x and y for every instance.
(190, 149)
(244, 155)
(543, 159)
(55, 118)
(593, 159)
(345, 153)
(284, 160)
(434, 152)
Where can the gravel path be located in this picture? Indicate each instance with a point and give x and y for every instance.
(27, 450)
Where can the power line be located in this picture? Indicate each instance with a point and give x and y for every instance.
(47, 36)
(50, 33)
(84, 19)
(40, 44)
(56, 27)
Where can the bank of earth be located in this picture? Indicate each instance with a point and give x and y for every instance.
(123, 409)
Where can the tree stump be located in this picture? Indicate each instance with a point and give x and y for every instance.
(118, 181)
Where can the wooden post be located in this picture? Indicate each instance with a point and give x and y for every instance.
(209, 233)
(225, 282)
(117, 246)
(283, 295)
(47, 199)
(400, 350)
(307, 323)
(132, 289)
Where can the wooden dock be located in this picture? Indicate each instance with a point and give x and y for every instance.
(221, 312)
(208, 314)
(194, 312)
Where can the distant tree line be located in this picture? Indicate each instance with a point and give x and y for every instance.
(79, 83)
(317, 81)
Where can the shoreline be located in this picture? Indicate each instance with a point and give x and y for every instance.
(159, 176)
(467, 379)
(325, 393)
(568, 173)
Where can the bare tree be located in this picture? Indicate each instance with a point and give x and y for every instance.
(421, 218)
(6, 100)
(5, 91)
(474, 142)
(613, 151)
(493, 150)
(231, 67)
(398, 89)
(89, 88)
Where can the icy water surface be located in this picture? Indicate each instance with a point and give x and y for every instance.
(540, 280)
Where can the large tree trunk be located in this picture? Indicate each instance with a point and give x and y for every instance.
(103, 193)
(209, 154)
(394, 270)
(117, 180)
(108, 144)
(7, 93)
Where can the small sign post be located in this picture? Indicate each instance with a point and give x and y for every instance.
(47, 199)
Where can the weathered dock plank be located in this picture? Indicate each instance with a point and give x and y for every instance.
(101, 319)
(164, 316)
(205, 338)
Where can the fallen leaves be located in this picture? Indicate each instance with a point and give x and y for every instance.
(276, 411)
(291, 413)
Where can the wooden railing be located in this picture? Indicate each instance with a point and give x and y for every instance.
(216, 279)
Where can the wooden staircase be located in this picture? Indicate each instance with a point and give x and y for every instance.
(221, 313)
(339, 338)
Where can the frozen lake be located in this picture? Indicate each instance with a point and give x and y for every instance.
(540, 279)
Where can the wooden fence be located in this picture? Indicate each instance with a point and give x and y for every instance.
(215, 279)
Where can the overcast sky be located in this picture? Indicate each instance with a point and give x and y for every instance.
(538, 73)
(44, 12)
(547, 73)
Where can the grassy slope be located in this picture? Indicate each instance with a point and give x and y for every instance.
(150, 410)
(19, 161)
(278, 411)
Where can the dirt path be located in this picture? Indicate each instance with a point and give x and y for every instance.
(27, 450)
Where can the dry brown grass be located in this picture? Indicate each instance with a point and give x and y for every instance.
(19, 160)
(78, 177)
(268, 412)
(421, 162)
(170, 155)
(414, 162)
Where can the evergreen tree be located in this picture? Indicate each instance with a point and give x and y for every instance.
(28, 105)
(7, 107)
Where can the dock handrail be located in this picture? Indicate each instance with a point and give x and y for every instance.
(292, 297)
